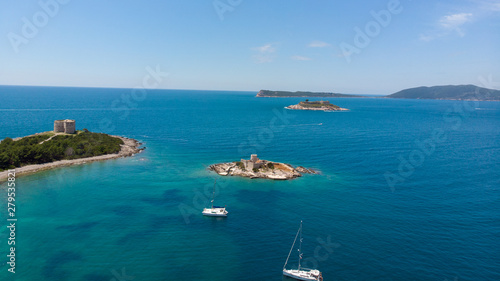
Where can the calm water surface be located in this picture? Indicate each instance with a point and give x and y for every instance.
(436, 219)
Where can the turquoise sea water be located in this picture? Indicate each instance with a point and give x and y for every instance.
(140, 217)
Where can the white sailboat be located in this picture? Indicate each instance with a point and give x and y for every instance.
(215, 211)
(301, 273)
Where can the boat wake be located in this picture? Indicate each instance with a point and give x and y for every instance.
(315, 124)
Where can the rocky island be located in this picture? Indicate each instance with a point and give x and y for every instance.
(64, 146)
(316, 105)
(257, 168)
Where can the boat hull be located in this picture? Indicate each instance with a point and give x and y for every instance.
(303, 274)
(215, 212)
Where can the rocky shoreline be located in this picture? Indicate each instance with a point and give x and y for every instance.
(268, 170)
(129, 147)
(299, 107)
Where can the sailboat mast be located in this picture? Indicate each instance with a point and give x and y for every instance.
(213, 194)
(300, 244)
(292, 246)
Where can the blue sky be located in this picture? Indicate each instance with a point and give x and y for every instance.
(339, 46)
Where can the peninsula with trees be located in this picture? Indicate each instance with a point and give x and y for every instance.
(299, 94)
(64, 146)
(316, 105)
(257, 168)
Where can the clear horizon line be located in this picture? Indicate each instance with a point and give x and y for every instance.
(182, 89)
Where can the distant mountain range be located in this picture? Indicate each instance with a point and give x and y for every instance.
(450, 92)
(460, 92)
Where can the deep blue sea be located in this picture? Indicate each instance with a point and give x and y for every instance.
(408, 190)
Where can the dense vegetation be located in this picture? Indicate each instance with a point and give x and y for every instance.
(267, 93)
(28, 150)
(460, 92)
(318, 104)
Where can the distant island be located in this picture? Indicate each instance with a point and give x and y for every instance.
(286, 94)
(64, 146)
(257, 168)
(316, 105)
(450, 92)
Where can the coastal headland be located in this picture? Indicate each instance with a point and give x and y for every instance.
(64, 146)
(316, 105)
(258, 168)
(130, 147)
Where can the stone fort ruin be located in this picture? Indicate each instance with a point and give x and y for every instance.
(253, 163)
(64, 126)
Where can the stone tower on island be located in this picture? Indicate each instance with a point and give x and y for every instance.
(64, 126)
(253, 163)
